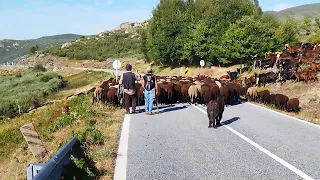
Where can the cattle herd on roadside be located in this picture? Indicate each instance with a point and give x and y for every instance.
(216, 93)
(290, 64)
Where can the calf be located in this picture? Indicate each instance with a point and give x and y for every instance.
(312, 74)
(215, 110)
(111, 96)
(193, 93)
(264, 96)
(281, 101)
(97, 95)
(224, 92)
(269, 77)
(293, 105)
(250, 81)
(252, 93)
(233, 75)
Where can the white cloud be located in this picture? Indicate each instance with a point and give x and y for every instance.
(280, 7)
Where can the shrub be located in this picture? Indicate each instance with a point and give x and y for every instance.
(90, 136)
(21, 92)
(39, 67)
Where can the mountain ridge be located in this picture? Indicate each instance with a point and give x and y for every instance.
(298, 12)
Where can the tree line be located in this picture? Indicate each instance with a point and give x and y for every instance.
(183, 32)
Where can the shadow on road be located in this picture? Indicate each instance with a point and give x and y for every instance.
(227, 122)
(170, 109)
(167, 108)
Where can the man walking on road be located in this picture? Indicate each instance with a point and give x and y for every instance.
(149, 84)
(128, 79)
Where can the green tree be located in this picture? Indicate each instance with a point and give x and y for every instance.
(306, 27)
(164, 27)
(288, 31)
(247, 36)
(256, 3)
(317, 20)
(33, 49)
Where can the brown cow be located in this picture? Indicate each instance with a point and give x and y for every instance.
(97, 95)
(281, 101)
(112, 96)
(293, 105)
(264, 96)
(213, 113)
(312, 74)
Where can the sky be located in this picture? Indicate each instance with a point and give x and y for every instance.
(30, 19)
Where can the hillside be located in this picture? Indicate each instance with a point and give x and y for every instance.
(110, 44)
(299, 12)
(12, 49)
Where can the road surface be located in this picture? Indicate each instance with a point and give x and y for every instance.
(254, 143)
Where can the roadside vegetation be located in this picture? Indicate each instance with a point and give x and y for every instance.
(96, 126)
(22, 91)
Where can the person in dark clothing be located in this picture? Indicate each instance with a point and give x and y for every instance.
(149, 84)
(128, 80)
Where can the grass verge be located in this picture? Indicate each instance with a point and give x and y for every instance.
(96, 126)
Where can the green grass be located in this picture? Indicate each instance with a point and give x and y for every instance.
(295, 86)
(21, 91)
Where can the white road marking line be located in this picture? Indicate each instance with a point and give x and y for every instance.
(120, 172)
(294, 118)
(273, 156)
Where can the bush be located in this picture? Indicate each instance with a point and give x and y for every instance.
(21, 92)
(39, 67)
(90, 136)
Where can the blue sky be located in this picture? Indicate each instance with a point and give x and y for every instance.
(28, 19)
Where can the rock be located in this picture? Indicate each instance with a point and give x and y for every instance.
(66, 45)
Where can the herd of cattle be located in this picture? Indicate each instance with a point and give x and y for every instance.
(216, 93)
(289, 63)
(201, 90)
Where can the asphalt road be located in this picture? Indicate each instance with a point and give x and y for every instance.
(254, 143)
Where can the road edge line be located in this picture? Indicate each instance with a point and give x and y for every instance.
(262, 149)
(120, 170)
(291, 117)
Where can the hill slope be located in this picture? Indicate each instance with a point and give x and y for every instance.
(299, 12)
(11, 49)
(110, 44)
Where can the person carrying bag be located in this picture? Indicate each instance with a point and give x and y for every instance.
(150, 85)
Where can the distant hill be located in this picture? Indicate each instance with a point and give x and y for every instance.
(12, 49)
(299, 12)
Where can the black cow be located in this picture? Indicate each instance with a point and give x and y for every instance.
(233, 75)
(264, 64)
(306, 46)
(265, 78)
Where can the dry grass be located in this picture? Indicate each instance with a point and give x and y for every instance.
(108, 121)
(14, 153)
(138, 65)
(308, 95)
